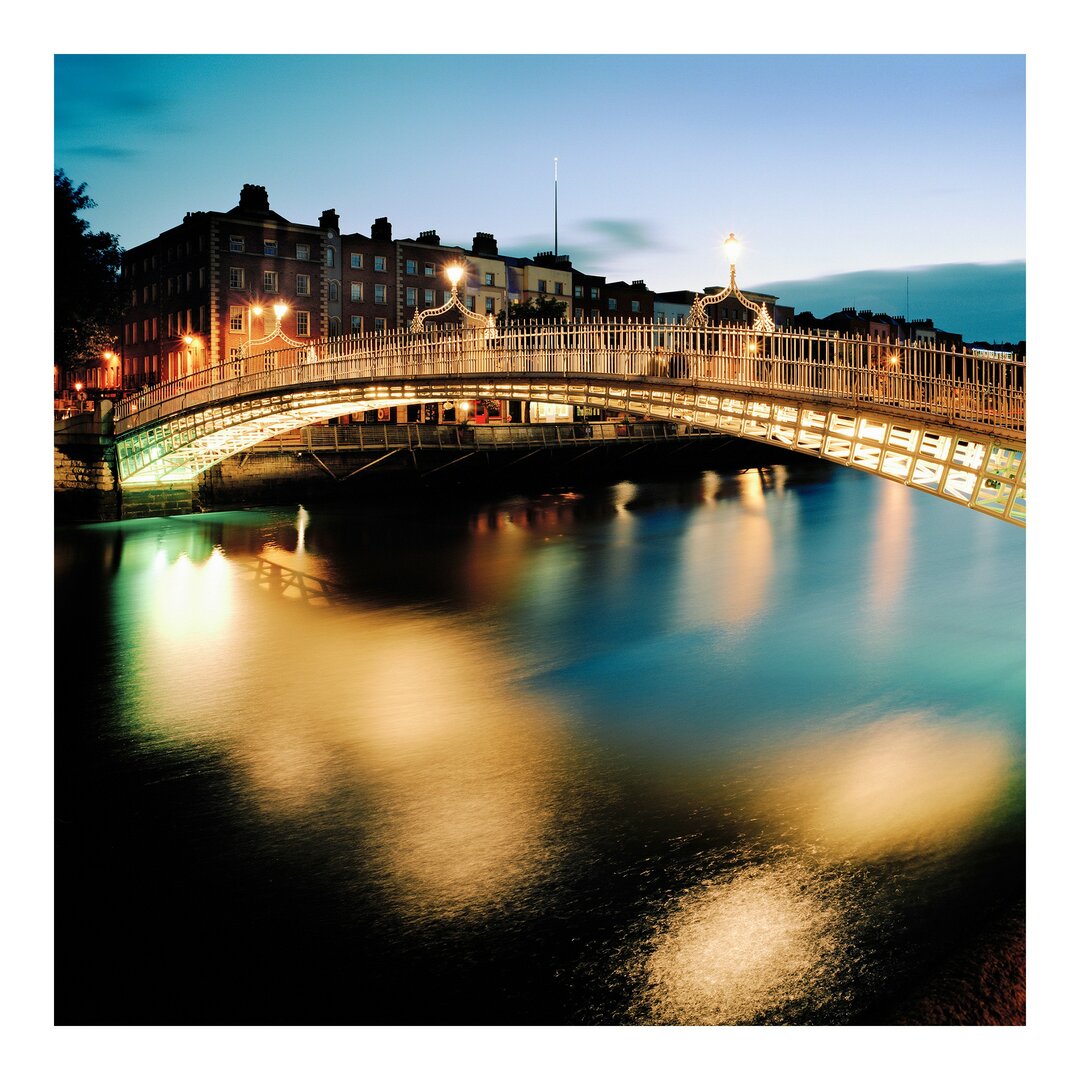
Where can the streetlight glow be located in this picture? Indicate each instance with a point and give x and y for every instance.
(454, 273)
(279, 310)
(731, 248)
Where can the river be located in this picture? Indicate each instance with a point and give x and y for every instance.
(724, 749)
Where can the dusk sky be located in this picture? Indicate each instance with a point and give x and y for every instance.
(822, 165)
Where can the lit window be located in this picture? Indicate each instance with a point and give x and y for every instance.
(303, 284)
(356, 290)
(236, 319)
(236, 243)
(303, 251)
(269, 247)
(356, 261)
(270, 280)
(380, 295)
(236, 277)
(380, 263)
(303, 327)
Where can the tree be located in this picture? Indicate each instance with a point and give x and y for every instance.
(539, 308)
(87, 301)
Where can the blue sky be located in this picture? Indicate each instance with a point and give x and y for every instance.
(822, 165)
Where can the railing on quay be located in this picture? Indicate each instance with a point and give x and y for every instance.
(958, 386)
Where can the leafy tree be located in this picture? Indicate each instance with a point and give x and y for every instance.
(87, 301)
(539, 308)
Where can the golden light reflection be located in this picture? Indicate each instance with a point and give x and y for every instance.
(889, 554)
(739, 950)
(730, 546)
(463, 778)
(901, 785)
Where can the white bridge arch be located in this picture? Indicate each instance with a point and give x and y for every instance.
(949, 422)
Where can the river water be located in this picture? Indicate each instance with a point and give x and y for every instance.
(742, 749)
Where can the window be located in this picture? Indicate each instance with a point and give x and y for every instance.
(579, 292)
(594, 293)
(202, 280)
(410, 297)
(489, 305)
(429, 269)
(329, 256)
(236, 277)
(489, 279)
(356, 261)
(303, 325)
(236, 243)
(635, 306)
(380, 263)
(356, 290)
(470, 302)
(236, 319)
(380, 295)
(357, 324)
(380, 325)
(170, 326)
(429, 297)
(542, 284)
(410, 266)
(269, 247)
(332, 291)
(558, 288)
(146, 294)
(270, 280)
(611, 303)
(303, 251)
(446, 297)
(303, 284)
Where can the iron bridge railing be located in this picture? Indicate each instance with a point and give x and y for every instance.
(961, 387)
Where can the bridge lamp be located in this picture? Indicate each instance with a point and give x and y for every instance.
(454, 273)
(732, 247)
(279, 311)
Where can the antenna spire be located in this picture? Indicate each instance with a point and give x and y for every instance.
(556, 206)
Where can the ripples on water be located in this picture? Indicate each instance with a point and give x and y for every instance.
(732, 752)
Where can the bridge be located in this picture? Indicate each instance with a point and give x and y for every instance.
(944, 421)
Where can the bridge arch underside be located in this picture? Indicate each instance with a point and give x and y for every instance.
(985, 471)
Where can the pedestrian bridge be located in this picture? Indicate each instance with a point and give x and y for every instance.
(948, 422)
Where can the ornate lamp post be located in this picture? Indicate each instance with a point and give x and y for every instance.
(454, 273)
(762, 320)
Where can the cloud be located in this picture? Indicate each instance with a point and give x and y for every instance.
(104, 153)
(982, 301)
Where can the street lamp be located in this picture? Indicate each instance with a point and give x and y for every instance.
(454, 273)
(762, 320)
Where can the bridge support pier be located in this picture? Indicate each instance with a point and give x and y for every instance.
(158, 501)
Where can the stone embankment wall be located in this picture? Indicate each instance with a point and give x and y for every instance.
(86, 485)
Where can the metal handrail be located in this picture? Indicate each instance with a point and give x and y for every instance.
(918, 376)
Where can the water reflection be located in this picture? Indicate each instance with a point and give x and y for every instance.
(904, 784)
(464, 772)
(759, 944)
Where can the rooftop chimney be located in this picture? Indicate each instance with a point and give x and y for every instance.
(328, 219)
(381, 231)
(429, 236)
(484, 244)
(254, 199)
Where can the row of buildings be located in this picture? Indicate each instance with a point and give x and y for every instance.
(220, 280)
